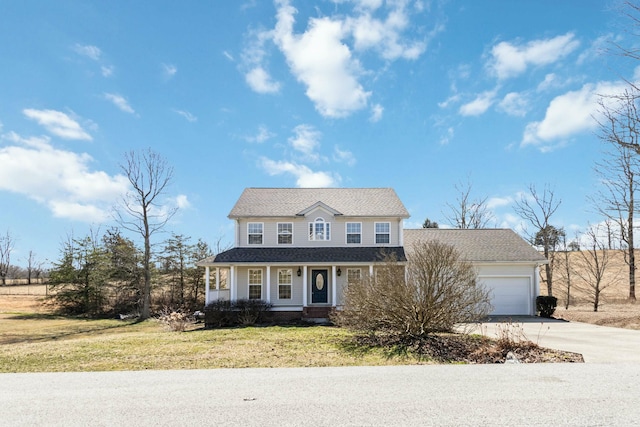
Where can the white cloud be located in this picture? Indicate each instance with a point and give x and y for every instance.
(120, 102)
(568, 114)
(228, 55)
(305, 177)
(61, 180)
(169, 70)
(58, 123)
(306, 140)
(182, 202)
(320, 60)
(91, 52)
(385, 35)
(263, 135)
(260, 81)
(447, 137)
(187, 115)
(509, 59)
(479, 105)
(376, 113)
(343, 156)
(107, 70)
(514, 104)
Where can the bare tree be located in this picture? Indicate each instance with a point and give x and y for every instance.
(537, 209)
(593, 264)
(6, 246)
(565, 266)
(433, 292)
(142, 211)
(468, 213)
(34, 267)
(620, 130)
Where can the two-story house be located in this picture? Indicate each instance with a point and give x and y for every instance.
(297, 248)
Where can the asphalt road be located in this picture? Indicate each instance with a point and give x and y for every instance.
(443, 395)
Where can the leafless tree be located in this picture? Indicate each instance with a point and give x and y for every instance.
(565, 269)
(34, 267)
(537, 209)
(433, 292)
(142, 211)
(6, 246)
(468, 213)
(594, 263)
(619, 124)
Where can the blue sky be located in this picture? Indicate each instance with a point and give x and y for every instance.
(420, 96)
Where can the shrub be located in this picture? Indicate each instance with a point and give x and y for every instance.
(175, 320)
(244, 312)
(546, 305)
(433, 292)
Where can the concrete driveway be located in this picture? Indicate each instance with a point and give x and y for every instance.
(597, 344)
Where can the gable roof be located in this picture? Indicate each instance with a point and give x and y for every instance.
(478, 245)
(289, 202)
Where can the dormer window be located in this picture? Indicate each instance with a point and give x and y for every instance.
(319, 230)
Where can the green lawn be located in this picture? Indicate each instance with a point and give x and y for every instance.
(45, 343)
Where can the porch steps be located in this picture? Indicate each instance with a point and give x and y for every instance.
(316, 314)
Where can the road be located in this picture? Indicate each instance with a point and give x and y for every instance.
(443, 395)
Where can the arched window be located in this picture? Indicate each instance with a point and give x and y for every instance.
(319, 230)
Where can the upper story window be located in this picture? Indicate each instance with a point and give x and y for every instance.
(354, 232)
(382, 232)
(254, 233)
(319, 230)
(285, 233)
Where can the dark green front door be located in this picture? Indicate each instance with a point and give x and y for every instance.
(319, 286)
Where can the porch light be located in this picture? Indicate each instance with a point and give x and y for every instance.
(299, 272)
(339, 272)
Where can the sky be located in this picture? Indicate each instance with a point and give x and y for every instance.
(426, 97)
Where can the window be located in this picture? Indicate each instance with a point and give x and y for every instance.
(319, 230)
(255, 284)
(284, 283)
(285, 233)
(382, 232)
(353, 275)
(254, 233)
(354, 232)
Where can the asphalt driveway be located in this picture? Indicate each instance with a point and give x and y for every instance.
(597, 344)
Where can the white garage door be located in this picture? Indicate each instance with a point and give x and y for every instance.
(509, 295)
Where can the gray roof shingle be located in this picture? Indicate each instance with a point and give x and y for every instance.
(304, 255)
(288, 202)
(479, 245)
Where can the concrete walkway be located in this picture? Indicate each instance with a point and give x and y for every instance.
(597, 344)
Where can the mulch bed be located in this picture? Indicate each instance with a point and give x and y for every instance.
(460, 348)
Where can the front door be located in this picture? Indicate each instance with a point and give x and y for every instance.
(319, 286)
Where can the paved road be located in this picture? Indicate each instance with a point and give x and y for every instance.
(451, 395)
(597, 344)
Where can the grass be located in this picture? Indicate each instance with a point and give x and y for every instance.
(46, 343)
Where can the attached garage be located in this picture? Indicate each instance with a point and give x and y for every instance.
(507, 265)
(509, 295)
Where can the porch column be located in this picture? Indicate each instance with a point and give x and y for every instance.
(334, 285)
(218, 279)
(268, 298)
(233, 288)
(304, 286)
(371, 270)
(206, 285)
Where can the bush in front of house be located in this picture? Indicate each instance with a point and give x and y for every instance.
(431, 293)
(243, 312)
(546, 305)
